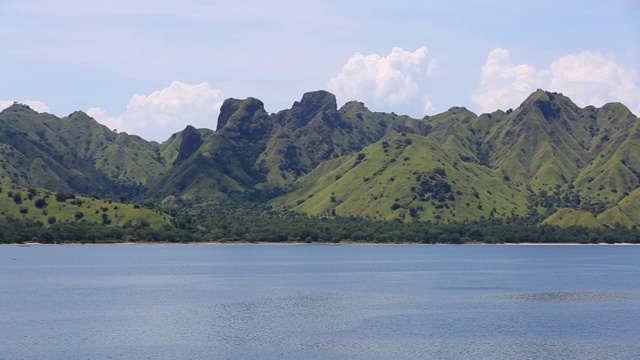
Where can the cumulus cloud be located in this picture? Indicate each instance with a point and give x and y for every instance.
(36, 105)
(588, 78)
(591, 78)
(157, 115)
(394, 82)
(502, 84)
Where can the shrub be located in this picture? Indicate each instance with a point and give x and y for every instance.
(64, 196)
(41, 203)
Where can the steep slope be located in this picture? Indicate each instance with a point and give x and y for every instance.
(571, 217)
(614, 166)
(302, 138)
(406, 176)
(625, 213)
(128, 160)
(210, 166)
(34, 154)
(169, 149)
(261, 153)
(548, 158)
(541, 144)
(539, 156)
(74, 153)
(313, 131)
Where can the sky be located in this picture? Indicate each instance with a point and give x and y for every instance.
(152, 67)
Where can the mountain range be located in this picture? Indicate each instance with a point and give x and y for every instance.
(548, 158)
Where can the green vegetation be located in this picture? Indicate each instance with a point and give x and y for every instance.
(38, 205)
(259, 223)
(42, 216)
(547, 164)
(13, 230)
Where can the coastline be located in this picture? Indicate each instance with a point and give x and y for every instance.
(246, 243)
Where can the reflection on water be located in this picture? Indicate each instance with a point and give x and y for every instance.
(305, 302)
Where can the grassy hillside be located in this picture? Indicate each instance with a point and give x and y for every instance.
(546, 159)
(538, 144)
(570, 217)
(48, 208)
(73, 153)
(625, 213)
(405, 176)
(457, 166)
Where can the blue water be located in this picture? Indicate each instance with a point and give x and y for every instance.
(319, 302)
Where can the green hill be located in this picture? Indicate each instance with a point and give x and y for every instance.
(74, 153)
(571, 217)
(546, 159)
(44, 206)
(625, 213)
(530, 161)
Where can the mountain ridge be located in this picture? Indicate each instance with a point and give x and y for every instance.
(546, 158)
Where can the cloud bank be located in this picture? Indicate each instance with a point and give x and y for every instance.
(396, 82)
(166, 111)
(588, 78)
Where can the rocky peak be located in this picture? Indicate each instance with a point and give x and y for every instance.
(191, 141)
(317, 101)
(240, 110)
(544, 102)
(302, 112)
(229, 106)
(353, 106)
(243, 119)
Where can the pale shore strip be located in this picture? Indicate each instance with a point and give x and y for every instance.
(215, 243)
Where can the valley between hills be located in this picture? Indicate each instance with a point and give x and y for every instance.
(547, 171)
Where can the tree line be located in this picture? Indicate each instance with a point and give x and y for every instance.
(260, 223)
(252, 222)
(18, 231)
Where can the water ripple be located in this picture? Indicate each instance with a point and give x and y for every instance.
(574, 296)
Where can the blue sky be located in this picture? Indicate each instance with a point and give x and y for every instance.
(151, 68)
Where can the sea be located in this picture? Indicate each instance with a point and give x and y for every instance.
(319, 302)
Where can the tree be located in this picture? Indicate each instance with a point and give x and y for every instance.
(105, 219)
(63, 196)
(41, 203)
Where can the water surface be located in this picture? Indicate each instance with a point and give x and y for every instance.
(319, 302)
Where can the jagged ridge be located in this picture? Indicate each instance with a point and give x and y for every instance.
(547, 155)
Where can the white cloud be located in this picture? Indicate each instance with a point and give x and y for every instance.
(157, 115)
(392, 83)
(588, 78)
(5, 104)
(502, 84)
(591, 78)
(36, 105)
